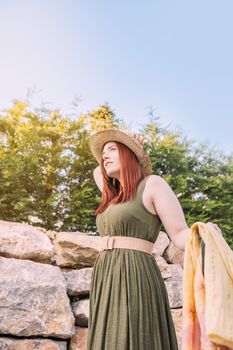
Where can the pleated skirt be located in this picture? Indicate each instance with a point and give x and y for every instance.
(129, 307)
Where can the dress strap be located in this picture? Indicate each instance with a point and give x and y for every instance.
(142, 185)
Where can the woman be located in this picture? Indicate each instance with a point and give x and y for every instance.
(129, 307)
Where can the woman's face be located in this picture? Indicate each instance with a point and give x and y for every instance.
(110, 156)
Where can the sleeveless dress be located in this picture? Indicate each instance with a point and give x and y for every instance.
(129, 307)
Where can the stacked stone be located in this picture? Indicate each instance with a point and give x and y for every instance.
(45, 281)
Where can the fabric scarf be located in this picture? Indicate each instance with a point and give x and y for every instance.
(207, 315)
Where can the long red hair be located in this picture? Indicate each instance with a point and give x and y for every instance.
(130, 175)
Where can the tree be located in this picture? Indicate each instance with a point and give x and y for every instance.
(46, 169)
(46, 175)
(201, 177)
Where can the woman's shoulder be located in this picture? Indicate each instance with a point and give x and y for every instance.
(156, 186)
(153, 182)
(153, 179)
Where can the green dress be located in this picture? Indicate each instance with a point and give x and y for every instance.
(129, 306)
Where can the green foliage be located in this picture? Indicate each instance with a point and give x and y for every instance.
(46, 167)
(201, 177)
(46, 170)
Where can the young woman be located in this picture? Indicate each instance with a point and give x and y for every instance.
(129, 306)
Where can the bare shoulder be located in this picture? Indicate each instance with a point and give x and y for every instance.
(155, 184)
(154, 180)
(151, 186)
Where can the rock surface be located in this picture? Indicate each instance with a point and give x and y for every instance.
(34, 300)
(78, 282)
(31, 344)
(45, 279)
(75, 249)
(23, 241)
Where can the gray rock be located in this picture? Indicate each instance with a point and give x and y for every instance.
(177, 319)
(174, 286)
(81, 312)
(161, 243)
(78, 282)
(33, 300)
(79, 340)
(75, 249)
(31, 344)
(23, 241)
(164, 267)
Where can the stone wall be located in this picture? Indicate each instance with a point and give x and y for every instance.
(45, 281)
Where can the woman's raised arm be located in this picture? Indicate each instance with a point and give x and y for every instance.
(98, 177)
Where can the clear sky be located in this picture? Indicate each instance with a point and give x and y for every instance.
(174, 56)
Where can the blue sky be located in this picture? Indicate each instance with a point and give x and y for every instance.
(173, 56)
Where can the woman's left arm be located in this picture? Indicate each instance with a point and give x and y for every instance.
(169, 210)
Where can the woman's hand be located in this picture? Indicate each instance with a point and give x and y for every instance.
(139, 138)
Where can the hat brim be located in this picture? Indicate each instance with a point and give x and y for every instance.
(98, 140)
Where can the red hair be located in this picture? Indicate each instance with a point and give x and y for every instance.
(130, 175)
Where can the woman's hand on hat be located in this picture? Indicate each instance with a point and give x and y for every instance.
(139, 138)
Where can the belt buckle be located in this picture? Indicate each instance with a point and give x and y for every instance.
(107, 242)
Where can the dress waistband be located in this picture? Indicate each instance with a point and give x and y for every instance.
(111, 242)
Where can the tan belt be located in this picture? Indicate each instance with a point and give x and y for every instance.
(111, 242)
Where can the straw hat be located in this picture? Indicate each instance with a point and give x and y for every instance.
(98, 140)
